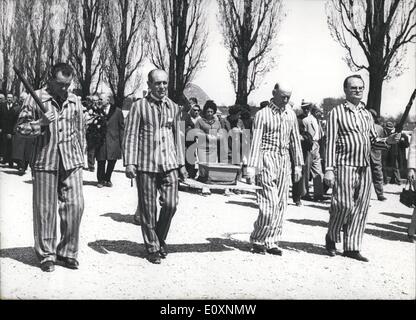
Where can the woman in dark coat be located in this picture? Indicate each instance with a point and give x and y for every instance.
(210, 133)
(110, 150)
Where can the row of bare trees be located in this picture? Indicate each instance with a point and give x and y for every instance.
(106, 41)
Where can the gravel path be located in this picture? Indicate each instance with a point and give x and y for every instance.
(209, 251)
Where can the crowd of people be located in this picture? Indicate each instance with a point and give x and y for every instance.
(162, 143)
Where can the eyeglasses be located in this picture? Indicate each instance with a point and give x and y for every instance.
(356, 88)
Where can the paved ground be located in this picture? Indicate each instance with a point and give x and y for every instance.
(209, 256)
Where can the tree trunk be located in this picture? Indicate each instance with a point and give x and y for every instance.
(375, 90)
(241, 97)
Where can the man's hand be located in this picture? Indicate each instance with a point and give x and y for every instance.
(250, 177)
(411, 174)
(131, 171)
(8, 136)
(298, 173)
(393, 138)
(183, 174)
(329, 178)
(47, 118)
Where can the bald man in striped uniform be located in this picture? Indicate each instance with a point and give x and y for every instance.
(275, 131)
(351, 135)
(56, 163)
(153, 153)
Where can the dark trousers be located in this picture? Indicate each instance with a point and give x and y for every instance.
(91, 156)
(103, 173)
(298, 188)
(377, 171)
(148, 185)
(7, 149)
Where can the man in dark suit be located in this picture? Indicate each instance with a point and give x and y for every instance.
(8, 119)
(110, 149)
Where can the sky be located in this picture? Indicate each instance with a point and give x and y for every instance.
(307, 57)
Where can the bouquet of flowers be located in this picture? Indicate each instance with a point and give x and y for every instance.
(97, 124)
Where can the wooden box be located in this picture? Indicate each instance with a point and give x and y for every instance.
(218, 173)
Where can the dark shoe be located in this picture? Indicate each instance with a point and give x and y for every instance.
(108, 184)
(100, 184)
(381, 198)
(163, 252)
(319, 199)
(411, 238)
(258, 249)
(275, 251)
(330, 246)
(69, 263)
(91, 169)
(298, 203)
(355, 255)
(47, 266)
(154, 257)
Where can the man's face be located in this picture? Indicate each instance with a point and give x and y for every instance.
(60, 84)
(159, 84)
(104, 100)
(354, 89)
(9, 98)
(194, 111)
(281, 96)
(95, 100)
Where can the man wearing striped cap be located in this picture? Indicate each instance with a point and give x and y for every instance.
(351, 135)
(275, 131)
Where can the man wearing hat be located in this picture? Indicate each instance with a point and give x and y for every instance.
(391, 172)
(375, 159)
(313, 166)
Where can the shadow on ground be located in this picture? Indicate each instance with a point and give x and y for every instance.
(215, 245)
(138, 250)
(388, 235)
(397, 215)
(14, 172)
(118, 217)
(308, 222)
(24, 255)
(244, 204)
(89, 183)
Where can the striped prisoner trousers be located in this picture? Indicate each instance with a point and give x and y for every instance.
(349, 205)
(272, 199)
(156, 230)
(52, 189)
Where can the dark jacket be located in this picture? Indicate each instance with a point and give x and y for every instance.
(8, 118)
(110, 149)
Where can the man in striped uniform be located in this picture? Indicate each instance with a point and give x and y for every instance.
(351, 135)
(56, 162)
(153, 150)
(275, 130)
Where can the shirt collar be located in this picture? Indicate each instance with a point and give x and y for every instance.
(45, 96)
(275, 109)
(353, 107)
(157, 100)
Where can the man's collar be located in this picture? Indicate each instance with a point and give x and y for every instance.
(45, 96)
(353, 107)
(275, 108)
(158, 100)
